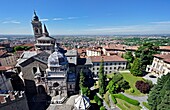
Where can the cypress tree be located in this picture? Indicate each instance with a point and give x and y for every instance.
(101, 79)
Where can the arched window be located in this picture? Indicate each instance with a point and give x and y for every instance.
(55, 84)
(34, 70)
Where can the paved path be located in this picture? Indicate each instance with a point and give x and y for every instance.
(112, 105)
(71, 99)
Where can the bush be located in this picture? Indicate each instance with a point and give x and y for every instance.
(99, 103)
(127, 99)
(113, 99)
(96, 98)
(142, 86)
(131, 90)
(102, 108)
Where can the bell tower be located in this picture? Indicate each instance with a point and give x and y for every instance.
(37, 26)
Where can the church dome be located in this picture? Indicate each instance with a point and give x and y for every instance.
(57, 58)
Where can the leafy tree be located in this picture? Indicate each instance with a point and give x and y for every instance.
(102, 78)
(157, 94)
(117, 84)
(136, 69)
(143, 86)
(20, 48)
(129, 57)
(85, 91)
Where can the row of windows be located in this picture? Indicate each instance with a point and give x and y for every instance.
(109, 68)
(97, 64)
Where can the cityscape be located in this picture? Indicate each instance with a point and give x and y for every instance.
(85, 55)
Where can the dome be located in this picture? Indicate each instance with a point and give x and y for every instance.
(57, 58)
(82, 103)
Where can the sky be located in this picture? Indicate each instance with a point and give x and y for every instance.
(87, 17)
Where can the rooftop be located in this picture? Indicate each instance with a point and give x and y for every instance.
(113, 58)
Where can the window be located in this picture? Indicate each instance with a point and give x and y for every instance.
(114, 67)
(110, 63)
(106, 72)
(110, 71)
(119, 63)
(110, 67)
(97, 68)
(97, 64)
(106, 63)
(123, 63)
(106, 68)
(115, 63)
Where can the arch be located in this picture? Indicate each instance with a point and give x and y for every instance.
(34, 70)
(56, 84)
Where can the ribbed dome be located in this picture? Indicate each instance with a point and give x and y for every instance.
(82, 103)
(57, 58)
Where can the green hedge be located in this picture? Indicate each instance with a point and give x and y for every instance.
(113, 99)
(127, 99)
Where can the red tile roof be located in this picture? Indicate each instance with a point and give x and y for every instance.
(164, 48)
(4, 68)
(2, 52)
(113, 58)
(166, 58)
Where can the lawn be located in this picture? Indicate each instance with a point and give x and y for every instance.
(132, 80)
(126, 106)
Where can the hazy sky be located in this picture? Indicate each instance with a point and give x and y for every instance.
(64, 17)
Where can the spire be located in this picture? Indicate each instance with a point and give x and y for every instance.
(35, 16)
(45, 30)
(35, 13)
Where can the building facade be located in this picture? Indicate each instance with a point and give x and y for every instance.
(111, 64)
(160, 65)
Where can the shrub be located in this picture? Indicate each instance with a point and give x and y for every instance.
(99, 103)
(142, 86)
(127, 99)
(102, 108)
(113, 99)
(131, 90)
(96, 98)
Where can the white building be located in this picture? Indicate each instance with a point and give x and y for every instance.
(111, 64)
(160, 64)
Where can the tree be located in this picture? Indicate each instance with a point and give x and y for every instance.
(142, 86)
(117, 84)
(165, 104)
(130, 58)
(102, 78)
(136, 69)
(82, 79)
(145, 53)
(156, 98)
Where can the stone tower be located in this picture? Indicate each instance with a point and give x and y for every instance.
(37, 26)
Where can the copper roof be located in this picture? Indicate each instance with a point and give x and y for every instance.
(113, 58)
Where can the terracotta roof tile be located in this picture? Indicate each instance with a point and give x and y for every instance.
(106, 58)
(4, 68)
